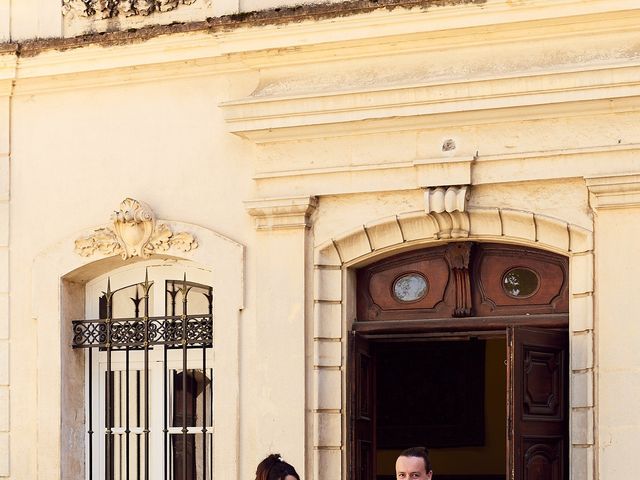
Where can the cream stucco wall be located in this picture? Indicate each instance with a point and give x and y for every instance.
(310, 145)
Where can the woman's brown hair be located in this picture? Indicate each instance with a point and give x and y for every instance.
(274, 468)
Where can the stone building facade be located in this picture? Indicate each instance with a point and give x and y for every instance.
(271, 151)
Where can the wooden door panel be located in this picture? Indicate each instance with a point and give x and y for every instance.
(542, 379)
(365, 460)
(490, 267)
(376, 299)
(538, 403)
(543, 458)
(362, 409)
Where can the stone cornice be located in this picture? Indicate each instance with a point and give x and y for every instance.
(86, 62)
(478, 100)
(282, 213)
(615, 191)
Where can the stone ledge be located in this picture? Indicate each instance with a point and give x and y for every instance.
(282, 213)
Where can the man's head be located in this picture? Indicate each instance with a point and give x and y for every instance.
(414, 464)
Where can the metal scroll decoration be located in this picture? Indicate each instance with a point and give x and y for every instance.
(134, 232)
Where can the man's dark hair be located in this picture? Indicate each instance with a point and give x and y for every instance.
(419, 452)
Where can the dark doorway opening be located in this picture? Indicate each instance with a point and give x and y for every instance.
(447, 394)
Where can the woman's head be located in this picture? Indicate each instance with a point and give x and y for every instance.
(274, 468)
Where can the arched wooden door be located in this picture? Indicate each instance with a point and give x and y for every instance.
(466, 291)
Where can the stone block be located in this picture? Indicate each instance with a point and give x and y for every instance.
(4, 454)
(5, 112)
(518, 224)
(4, 316)
(4, 177)
(328, 389)
(580, 239)
(618, 396)
(4, 409)
(4, 269)
(581, 273)
(328, 285)
(353, 245)
(384, 233)
(327, 320)
(4, 224)
(617, 453)
(582, 426)
(552, 232)
(581, 313)
(327, 255)
(328, 464)
(485, 221)
(581, 463)
(418, 226)
(4, 362)
(328, 431)
(581, 351)
(582, 389)
(327, 353)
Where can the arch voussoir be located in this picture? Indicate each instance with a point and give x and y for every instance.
(509, 225)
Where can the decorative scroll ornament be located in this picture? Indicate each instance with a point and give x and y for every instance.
(134, 233)
(103, 9)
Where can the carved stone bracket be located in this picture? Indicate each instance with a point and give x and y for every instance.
(102, 9)
(448, 207)
(615, 191)
(446, 199)
(458, 254)
(134, 232)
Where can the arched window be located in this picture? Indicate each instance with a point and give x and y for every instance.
(149, 389)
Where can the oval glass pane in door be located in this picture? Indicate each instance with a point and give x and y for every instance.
(410, 287)
(520, 282)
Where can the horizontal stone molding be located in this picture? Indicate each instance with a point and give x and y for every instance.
(264, 119)
(282, 213)
(507, 225)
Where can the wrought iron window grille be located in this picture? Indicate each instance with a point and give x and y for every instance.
(190, 333)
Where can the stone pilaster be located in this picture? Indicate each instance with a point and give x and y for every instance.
(615, 201)
(7, 74)
(284, 313)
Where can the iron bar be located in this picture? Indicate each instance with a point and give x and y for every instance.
(170, 310)
(108, 413)
(90, 432)
(185, 291)
(138, 415)
(209, 297)
(146, 288)
(136, 306)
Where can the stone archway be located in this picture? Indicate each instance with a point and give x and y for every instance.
(335, 259)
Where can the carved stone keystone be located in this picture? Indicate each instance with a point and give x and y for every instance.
(134, 232)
